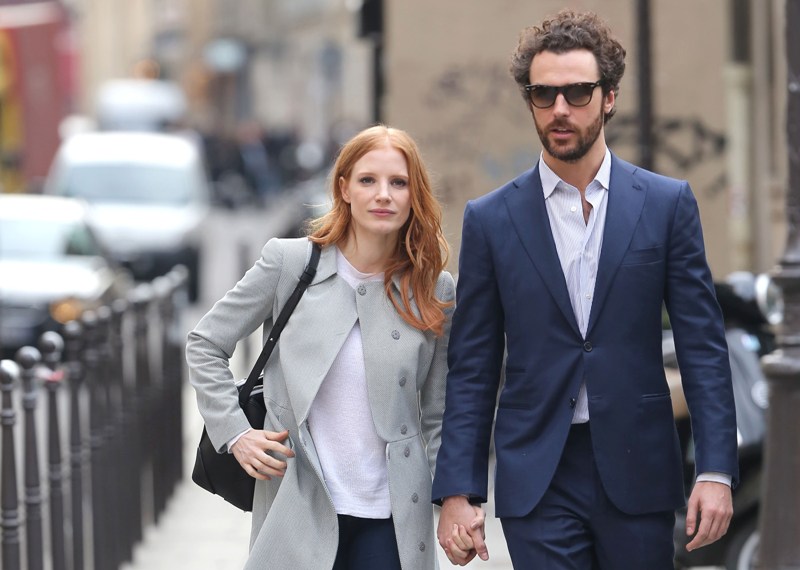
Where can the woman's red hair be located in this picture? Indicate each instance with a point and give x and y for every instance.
(421, 252)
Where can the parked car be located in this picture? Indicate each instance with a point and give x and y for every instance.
(148, 193)
(52, 267)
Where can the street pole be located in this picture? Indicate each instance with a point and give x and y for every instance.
(645, 84)
(780, 511)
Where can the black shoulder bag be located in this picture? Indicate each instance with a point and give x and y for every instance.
(220, 473)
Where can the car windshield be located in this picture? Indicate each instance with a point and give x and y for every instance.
(129, 183)
(44, 239)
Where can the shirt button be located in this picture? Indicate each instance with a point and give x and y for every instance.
(402, 381)
(573, 209)
(395, 335)
(403, 429)
(407, 451)
(414, 498)
(587, 346)
(362, 290)
(588, 296)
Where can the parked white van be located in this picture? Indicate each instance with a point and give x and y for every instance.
(148, 193)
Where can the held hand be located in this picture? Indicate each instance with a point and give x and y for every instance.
(255, 451)
(712, 504)
(461, 531)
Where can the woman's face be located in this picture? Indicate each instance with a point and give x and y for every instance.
(378, 193)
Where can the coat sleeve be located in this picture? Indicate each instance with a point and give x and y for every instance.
(475, 357)
(212, 342)
(432, 393)
(700, 344)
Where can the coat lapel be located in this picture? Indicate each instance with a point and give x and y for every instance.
(528, 213)
(328, 300)
(625, 203)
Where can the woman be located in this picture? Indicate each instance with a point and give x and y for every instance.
(355, 387)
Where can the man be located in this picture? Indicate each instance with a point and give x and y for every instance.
(566, 268)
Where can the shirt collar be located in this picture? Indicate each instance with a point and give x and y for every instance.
(550, 179)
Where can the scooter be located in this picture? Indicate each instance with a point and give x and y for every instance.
(750, 305)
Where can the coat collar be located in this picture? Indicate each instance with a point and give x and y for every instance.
(327, 268)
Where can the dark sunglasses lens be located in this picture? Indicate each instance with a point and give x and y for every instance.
(543, 97)
(579, 95)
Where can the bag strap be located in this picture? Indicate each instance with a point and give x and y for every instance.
(280, 322)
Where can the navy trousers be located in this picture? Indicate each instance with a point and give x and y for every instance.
(366, 544)
(576, 527)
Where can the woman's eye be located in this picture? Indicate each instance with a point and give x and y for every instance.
(366, 180)
(400, 182)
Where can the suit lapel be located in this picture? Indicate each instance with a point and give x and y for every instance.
(528, 213)
(625, 203)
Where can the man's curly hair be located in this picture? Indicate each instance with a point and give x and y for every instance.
(567, 31)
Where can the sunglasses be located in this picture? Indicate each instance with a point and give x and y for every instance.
(576, 94)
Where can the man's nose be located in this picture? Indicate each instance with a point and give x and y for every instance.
(561, 107)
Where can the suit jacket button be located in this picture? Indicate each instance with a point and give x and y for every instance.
(572, 402)
(402, 381)
(403, 429)
(395, 335)
(414, 498)
(407, 451)
(587, 346)
(422, 547)
(362, 290)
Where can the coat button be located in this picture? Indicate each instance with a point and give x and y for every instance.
(422, 547)
(395, 334)
(572, 402)
(414, 498)
(403, 429)
(362, 290)
(407, 451)
(402, 381)
(587, 346)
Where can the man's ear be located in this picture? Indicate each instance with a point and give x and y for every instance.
(609, 99)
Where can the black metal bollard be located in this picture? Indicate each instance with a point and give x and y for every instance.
(174, 342)
(28, 359)
(123, 459)
(9, 499)
(73, 334)
(161, 405)
(145, 428)
(97, 467)
(52, 345)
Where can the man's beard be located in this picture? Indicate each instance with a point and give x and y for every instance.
(582, 146)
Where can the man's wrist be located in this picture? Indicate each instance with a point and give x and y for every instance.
(472, 500)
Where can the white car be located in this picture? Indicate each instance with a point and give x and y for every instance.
(52, 268)
(148, 193)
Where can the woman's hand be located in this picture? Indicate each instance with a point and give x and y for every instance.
(256, 452)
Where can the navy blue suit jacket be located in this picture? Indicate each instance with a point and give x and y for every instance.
(512, 296)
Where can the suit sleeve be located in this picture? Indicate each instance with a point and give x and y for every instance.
(475, 356)
(700, 343)
(212, 342)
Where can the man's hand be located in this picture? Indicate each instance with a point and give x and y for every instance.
(461, 531)
(712, 504)
(256, 449)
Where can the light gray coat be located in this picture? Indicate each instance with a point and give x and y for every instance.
(294, 521)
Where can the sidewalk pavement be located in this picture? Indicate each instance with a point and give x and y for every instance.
(202, 532)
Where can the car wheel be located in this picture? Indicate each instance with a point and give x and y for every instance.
(742, 552)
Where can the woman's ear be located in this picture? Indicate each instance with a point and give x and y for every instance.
(343, 189)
